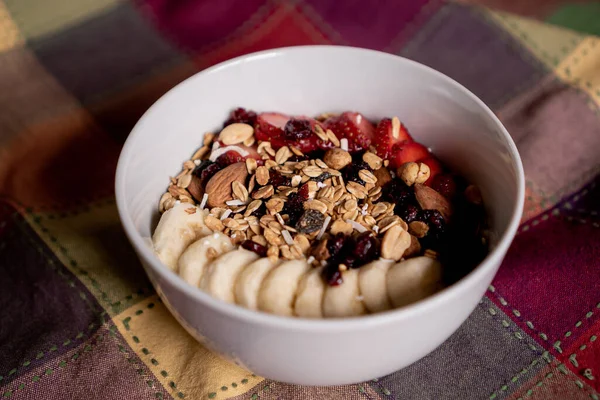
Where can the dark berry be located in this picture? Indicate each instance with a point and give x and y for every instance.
(335, 244)
(255, 247)
(241, 115)
(294, 207)
(407, 212)
(310, 221)
(350, 173)
(436, 237)
(209, 171)
(434, 220)
(399, 193)
(297, 158)
(445, 185)
(260, 211)
(332, 275)
(324, 176)
(278, 179)
(296, 129)
(201, 167)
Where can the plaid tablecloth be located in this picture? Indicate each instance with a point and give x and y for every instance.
(78, 317)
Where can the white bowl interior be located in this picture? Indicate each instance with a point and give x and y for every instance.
(308, 81)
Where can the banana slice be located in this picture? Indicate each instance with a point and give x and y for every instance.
(176, 230)
(278, 290)
(372, 285)
(220, 275)
(413, 280)
(309, 297)
(344, 300)
(194, 259)
(249, 281)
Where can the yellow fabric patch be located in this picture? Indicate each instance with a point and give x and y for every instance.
(93, 246)
(9, 33)
(38, 18)
(582, 68)
(180, 363)
(550, 44)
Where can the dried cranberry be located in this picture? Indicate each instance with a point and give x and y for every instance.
(255, 247)
(332, 275)
(335, 244)
(303, 192)
(209, 171)
(445, 185)
(278, 179)
(231, 157)
(399, 193)
(297, 129)
(241, 115)
(361, 250)
(407, 212)
(350, 173)
(310, 221)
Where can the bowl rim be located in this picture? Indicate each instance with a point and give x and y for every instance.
(305, 324)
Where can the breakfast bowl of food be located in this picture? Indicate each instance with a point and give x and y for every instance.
(320, 215)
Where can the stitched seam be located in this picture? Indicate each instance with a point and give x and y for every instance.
(126, 324)
(59, 364)
(212, 394)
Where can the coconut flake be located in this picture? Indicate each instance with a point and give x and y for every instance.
(235, 202)
(280, 219)
(324, 227)
(287, 237)
(197, 162)
(323, 263)
(321, 185)
(222, 150)
(177, 202)
(215, 146)
(310, 259)
(364, 209)
(204, 200)
(375, 228)
(356, 226)
(344, 144)
(225, 214)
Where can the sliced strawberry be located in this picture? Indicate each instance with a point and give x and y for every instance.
(384, 138)
(354, 127)
(435, 168)
(406, 152)
(269, 127)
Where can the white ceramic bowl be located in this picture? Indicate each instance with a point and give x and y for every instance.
(439, 112)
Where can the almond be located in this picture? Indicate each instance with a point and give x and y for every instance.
(218, 187)
(195, 188)
(429, 199)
